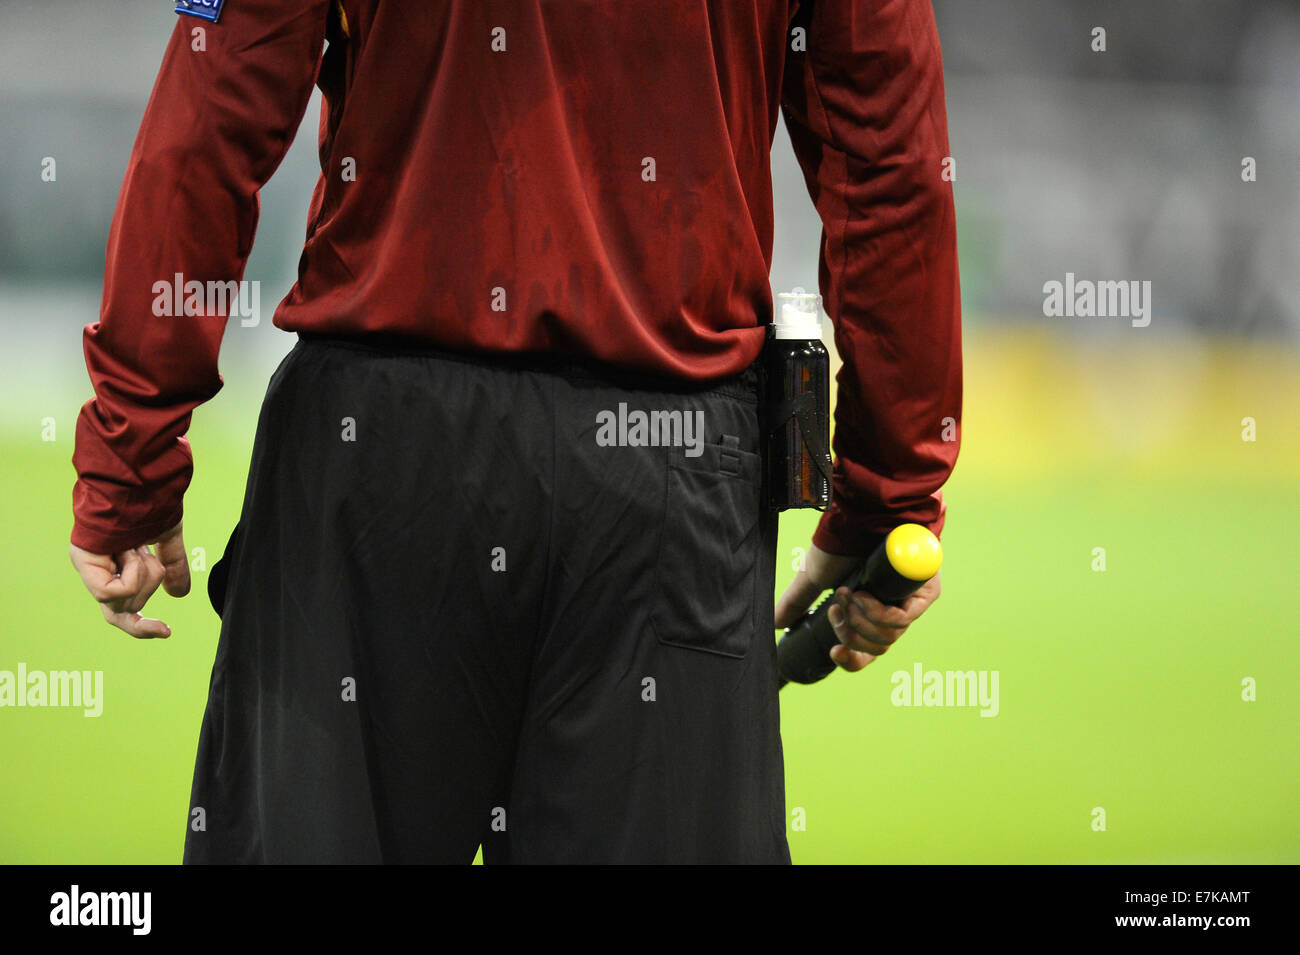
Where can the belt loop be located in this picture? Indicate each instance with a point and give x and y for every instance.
(729, 458)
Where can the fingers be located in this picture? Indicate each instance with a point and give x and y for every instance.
(123, 584)
(146, 571)
(99, 572)
(175, 562)
(820, 572)
(796, 600)
(882, 617)
(916, 604)
(855, 630)
(143, 628)
(117, 583)
(865, 625)
(851, 660)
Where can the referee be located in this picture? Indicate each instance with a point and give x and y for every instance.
(471, 598)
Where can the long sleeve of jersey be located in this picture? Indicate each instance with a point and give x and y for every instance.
(863, 100)
(227, 101)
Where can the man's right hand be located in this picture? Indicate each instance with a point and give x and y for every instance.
(865, 627)
(124, 582)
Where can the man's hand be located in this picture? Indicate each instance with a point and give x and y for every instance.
(122, 583)
(866, 628)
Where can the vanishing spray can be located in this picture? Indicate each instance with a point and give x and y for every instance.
(796, 384)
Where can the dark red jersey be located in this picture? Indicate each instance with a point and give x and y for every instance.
(584, 177)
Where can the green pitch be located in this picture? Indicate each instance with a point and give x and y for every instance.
(1116, 553)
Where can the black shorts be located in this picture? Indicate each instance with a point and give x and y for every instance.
(461, 608)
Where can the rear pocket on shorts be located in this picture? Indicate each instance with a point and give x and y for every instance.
(705, 594)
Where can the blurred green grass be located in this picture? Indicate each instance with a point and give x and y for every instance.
(1119, 689)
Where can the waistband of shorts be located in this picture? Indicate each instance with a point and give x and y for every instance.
(742, 386)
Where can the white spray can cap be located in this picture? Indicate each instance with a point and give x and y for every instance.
(798, 315)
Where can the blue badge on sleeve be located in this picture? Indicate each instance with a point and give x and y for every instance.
(203, 9)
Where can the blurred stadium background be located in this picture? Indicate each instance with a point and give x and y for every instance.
(1123, 687)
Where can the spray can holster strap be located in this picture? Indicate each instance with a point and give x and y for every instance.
(803, 408)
